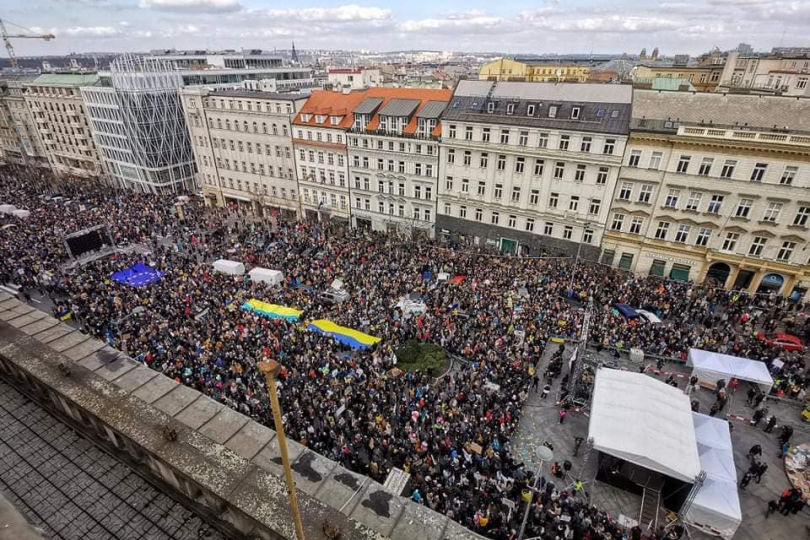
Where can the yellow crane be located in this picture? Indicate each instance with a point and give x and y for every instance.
(7, 39)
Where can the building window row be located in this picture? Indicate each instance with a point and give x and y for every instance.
(319, 136)
(392, 146)
(709, 166)
(531, 138)
(399, 167)
(248, 127)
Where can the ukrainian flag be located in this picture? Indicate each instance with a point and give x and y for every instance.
(346, 336)
(272, 311)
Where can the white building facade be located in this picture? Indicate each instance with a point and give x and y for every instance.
(394, 159)
(531, 167)
(320, 132)
(242, 141)
(354, 78)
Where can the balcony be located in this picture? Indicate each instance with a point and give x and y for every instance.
(744, 135)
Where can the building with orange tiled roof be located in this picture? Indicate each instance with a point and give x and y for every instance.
(394, 159)
(319, 140)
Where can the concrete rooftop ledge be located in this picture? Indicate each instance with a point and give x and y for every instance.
(221, 459)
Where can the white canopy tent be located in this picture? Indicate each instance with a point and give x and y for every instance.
(716, 507)
(232, 268)
(711, 367)
(644, 421)
(267, 276)
(7, 208)
(20, 213)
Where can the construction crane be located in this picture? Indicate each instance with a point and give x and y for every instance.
(7, 39)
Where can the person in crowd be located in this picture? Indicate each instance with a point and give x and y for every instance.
(759, 414)
(746, 479)
(773, 506)
(763, 467)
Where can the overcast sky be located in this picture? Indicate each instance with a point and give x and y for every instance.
(512, 26)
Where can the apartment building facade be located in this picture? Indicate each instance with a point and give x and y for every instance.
(534, 70)
(393, 158)
(531, 166)
(320, 134)
(242, 141)
(11, 149)
(25, 129)
(56, 105)
(786, 73)
(710, 191)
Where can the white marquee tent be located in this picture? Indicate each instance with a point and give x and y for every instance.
(711, 367)
(233, 268)
(7, 208)
(267, 276)
(644, 421)
(716, 508)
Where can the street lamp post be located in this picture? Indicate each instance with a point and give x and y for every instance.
(579, 250)
(544, 454)
(271, 369)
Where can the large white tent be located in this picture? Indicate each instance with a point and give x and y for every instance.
(644, 421)
(266, 276)
(716, 507)
(233, 268)
(711, 367)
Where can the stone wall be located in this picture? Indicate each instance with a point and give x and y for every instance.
(223, 464)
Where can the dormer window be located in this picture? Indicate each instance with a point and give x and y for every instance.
(552, 111)
(530, 110)
(320, 118)
(335, 120)
(491, 107)
(306, 117)
(360, 121)
(510, 108)
(575, 113)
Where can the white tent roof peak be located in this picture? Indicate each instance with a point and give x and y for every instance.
(644, 421)
(711, 366)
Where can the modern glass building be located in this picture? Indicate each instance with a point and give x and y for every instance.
(139, 127)
(137, 116)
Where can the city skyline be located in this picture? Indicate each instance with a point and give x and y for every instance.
(516, 27)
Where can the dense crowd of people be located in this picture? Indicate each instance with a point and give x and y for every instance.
(449, 430)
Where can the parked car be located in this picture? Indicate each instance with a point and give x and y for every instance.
(334, 296)
(784, 341)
